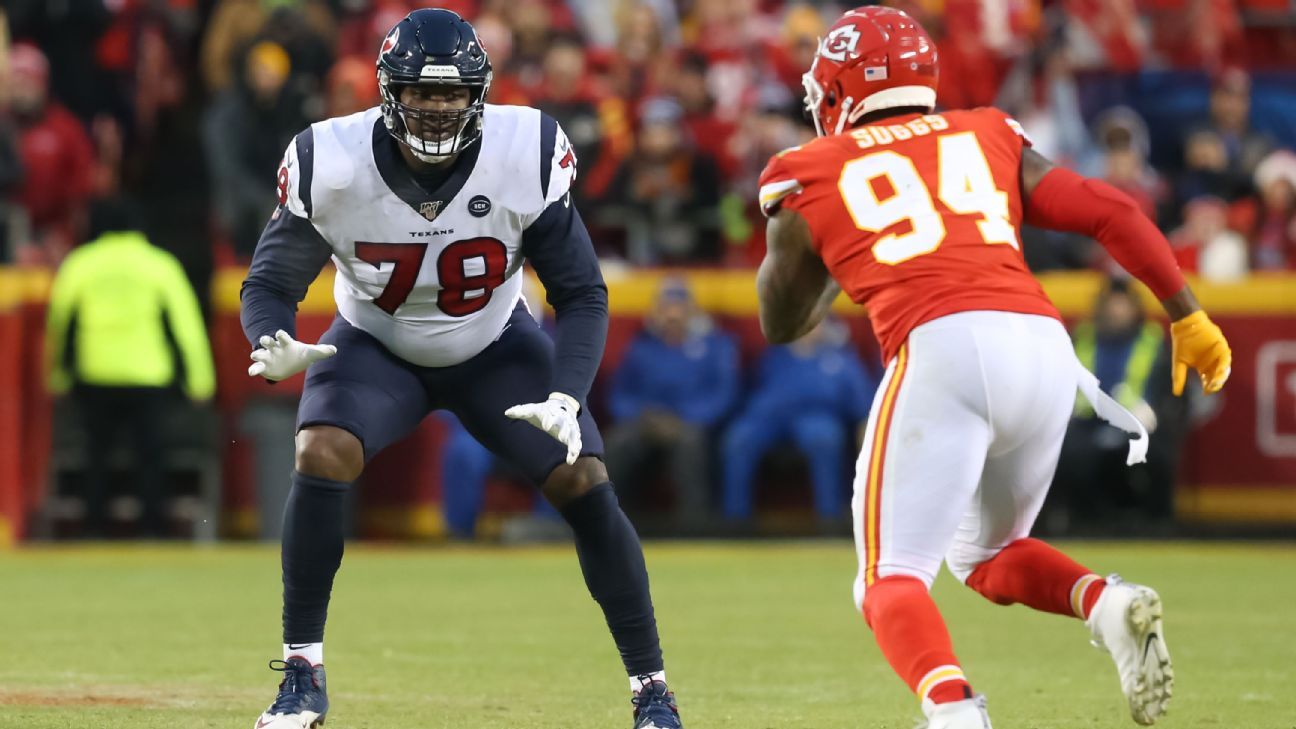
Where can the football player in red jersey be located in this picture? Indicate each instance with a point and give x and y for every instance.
(917, 217)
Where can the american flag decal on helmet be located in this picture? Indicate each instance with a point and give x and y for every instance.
(875, 73)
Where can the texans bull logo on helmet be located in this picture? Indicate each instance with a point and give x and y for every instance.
(390, 41)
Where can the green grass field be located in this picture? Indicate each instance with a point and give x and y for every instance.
(756, 636)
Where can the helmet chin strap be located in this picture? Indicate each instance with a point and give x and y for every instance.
(847, 115)
(856, 114)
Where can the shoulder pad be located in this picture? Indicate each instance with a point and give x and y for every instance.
(779, 181)
(292, 185)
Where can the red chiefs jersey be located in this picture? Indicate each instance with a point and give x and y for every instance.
(915, 216)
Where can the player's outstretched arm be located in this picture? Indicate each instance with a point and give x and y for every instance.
(560, 250)
(287, 259)
(794, 287)
(1059, 199)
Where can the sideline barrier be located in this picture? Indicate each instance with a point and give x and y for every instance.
(24, 404)
(1239, 463)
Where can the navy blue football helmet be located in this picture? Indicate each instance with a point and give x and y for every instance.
(433, 47)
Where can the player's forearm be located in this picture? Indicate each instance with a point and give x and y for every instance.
(787, 311)
(1065, 201)
(560, 250)
(277, 279)
(579, 337)
(824, 303)
(1180, 304)
(792, 284)
(264, 312)
(288, 257)
(782, 318)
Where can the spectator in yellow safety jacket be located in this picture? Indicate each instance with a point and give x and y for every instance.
(1129, 354)
(119, 312)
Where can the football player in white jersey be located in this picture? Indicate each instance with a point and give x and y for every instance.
(428, 205)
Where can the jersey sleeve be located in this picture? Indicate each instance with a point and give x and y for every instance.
(290, 252)
(1002, 118)
(559, 248)
(296, 170)
(557, 161)
(779, 184)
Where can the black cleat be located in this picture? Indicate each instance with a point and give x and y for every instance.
(655, 708)
(302, 702)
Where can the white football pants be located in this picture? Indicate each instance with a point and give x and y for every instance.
(962, 442)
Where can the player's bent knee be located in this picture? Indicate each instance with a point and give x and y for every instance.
(887, 593)
(890, 575)
(963, 559)
(325, 451)
(569, 482)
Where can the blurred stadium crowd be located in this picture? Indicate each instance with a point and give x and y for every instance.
(673, 106)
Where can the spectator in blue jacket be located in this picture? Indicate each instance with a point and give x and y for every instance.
(814, 393)
(466, 466)
(678, 379)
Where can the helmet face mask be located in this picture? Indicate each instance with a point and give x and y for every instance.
(814, 96)
(436, 53)
(434, 134)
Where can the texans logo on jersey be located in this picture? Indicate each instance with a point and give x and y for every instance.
(568, 159)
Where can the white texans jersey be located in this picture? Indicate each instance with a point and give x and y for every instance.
(432, 275)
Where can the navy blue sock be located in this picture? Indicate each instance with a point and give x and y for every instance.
(312, 552)
(613, 563)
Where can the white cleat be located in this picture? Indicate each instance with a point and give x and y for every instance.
(304, 720)
(965, 714)
(1126, 622)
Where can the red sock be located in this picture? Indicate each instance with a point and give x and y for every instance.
(912, 635)
(1038, 576)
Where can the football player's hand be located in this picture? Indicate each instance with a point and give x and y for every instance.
(282, 356)
(1197, 343)
(557, 417)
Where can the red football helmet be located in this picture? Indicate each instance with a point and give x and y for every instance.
(872, 58)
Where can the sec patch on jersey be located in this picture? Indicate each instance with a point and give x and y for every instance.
(479, 206)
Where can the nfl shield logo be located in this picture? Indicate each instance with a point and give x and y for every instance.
(430, 209)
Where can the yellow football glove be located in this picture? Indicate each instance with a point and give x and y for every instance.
(1197, 343)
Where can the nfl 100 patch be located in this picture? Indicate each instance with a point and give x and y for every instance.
(430, 209)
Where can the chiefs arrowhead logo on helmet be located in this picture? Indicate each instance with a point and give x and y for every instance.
(872, 58)
(840, 43)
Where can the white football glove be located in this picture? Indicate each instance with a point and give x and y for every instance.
(557, 417)
(282, 356)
